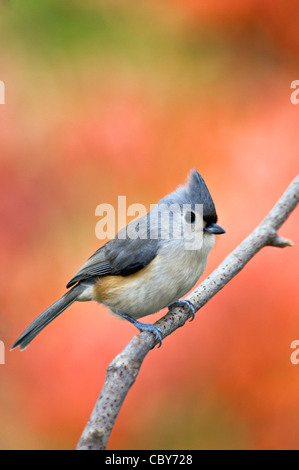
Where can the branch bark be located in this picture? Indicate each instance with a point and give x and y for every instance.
(123, 370)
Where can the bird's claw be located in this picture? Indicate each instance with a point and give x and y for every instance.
(144, 327)
(185, 303)
(153, 329)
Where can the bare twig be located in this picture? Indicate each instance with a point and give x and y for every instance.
(123, 370)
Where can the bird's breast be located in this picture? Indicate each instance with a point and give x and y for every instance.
(171, 274)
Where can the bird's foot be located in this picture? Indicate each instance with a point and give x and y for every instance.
(144, 327)
(184, 303)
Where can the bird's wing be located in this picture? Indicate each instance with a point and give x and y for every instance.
(118, 257)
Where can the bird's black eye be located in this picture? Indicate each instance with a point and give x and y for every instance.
(190, 217)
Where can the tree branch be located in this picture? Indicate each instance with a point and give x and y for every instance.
(123, 370)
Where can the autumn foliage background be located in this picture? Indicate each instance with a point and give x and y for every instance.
(108, 98)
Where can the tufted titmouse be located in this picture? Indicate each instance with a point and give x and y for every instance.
(149, 264)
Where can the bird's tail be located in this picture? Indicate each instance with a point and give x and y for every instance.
(47, 316)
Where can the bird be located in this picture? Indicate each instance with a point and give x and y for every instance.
(149, 265)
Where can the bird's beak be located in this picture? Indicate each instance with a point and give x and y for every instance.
(214, 228)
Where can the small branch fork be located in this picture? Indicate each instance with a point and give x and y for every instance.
(123, 370)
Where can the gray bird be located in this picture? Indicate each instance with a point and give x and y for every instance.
(149, 265)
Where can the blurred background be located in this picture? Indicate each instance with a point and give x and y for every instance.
(109, 98)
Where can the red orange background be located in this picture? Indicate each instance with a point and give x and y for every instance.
(113, 98)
